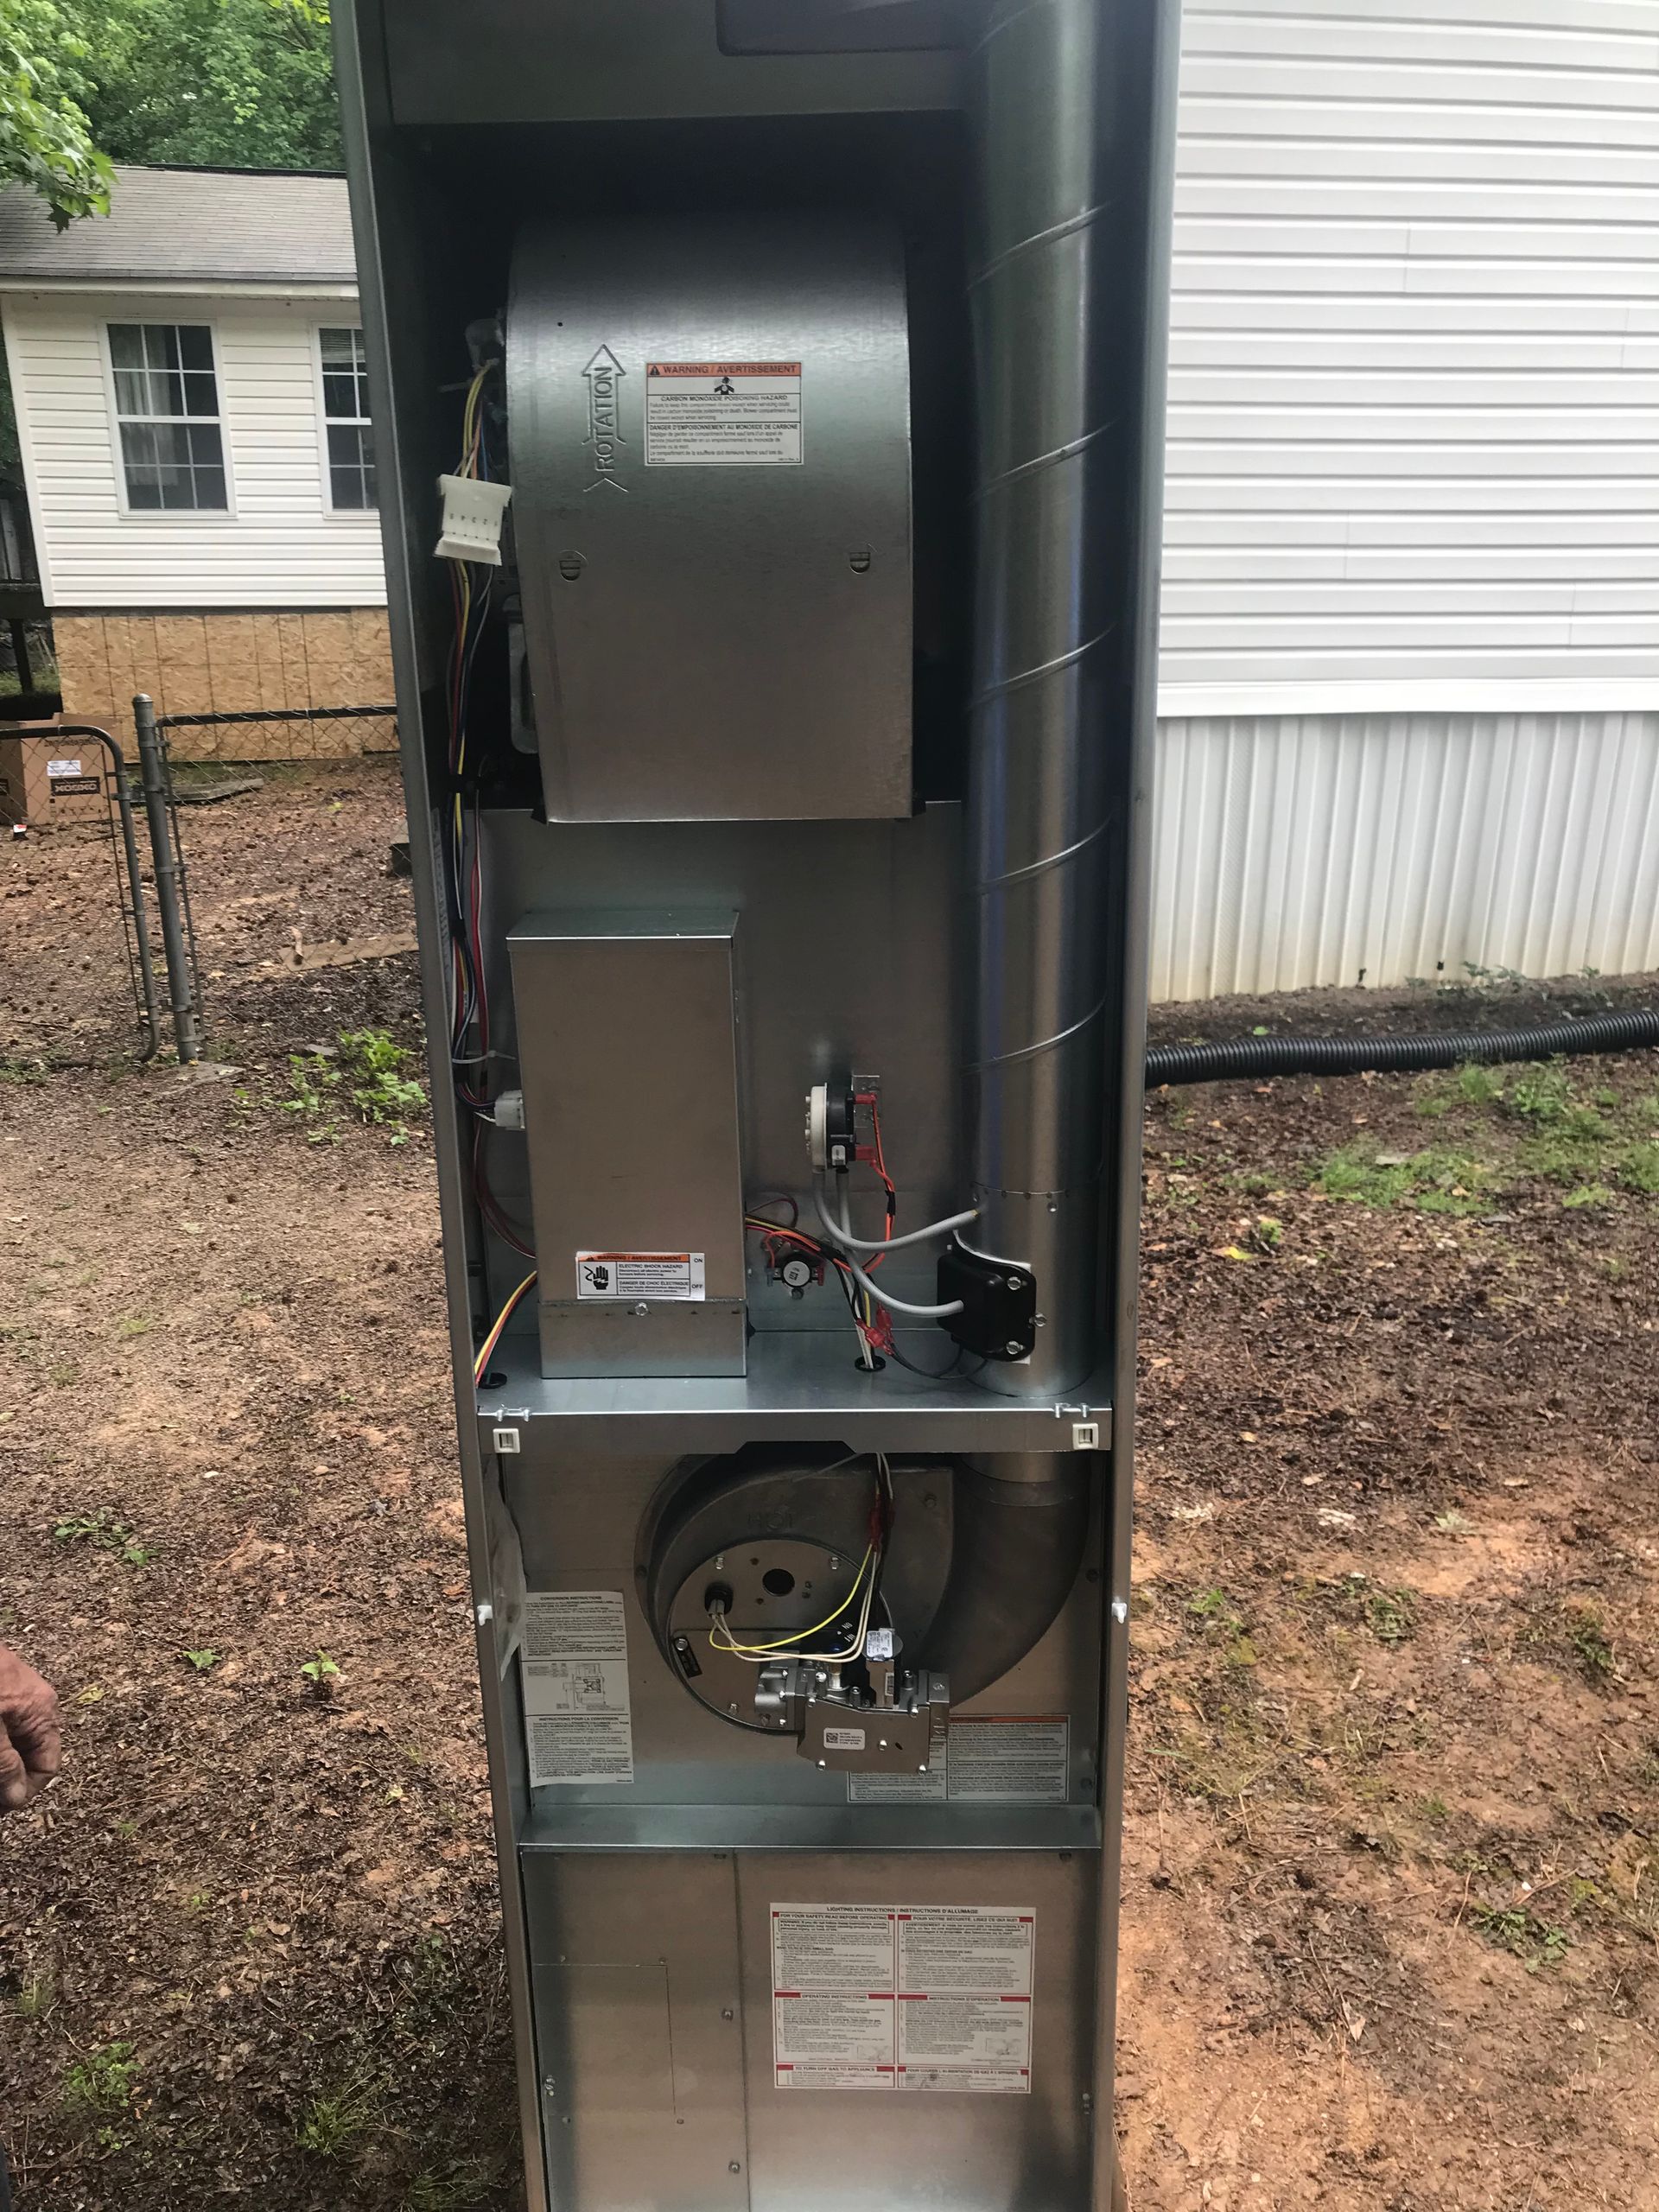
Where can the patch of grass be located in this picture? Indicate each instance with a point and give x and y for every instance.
(1453, 1524)
(1540, 1094)
(1588, 1635)
(14, 1068)
(101, 2081)
(331, 2124)
(1474, 1084)
(1638, 1168)
(1215, 1609)
(134, 1324)
(1439, 1180)
(33, 1998)
(1535, 1942)
(103, 1531)
(1434, 1807)
(1590, 1194)
(454, 2186)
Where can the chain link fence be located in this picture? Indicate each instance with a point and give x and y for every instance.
(80, 981)
(99, 960)
(278, 734)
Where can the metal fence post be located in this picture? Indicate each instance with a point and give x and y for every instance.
(181, 984)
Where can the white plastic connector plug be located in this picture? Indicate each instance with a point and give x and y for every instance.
(474, 511)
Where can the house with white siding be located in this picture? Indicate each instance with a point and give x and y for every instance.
(191, 406)
(1409, 690)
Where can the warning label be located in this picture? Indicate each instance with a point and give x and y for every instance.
(1012, 1760)
(1016, 1760)
(640, 1274)
(914, 1997)
(723, 413)
(574, 1666)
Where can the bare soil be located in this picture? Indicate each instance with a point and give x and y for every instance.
(1391, 1912)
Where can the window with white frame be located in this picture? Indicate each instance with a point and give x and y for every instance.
(346, 418)
(167, 409)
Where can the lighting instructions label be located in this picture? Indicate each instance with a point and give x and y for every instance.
(640, 1274)
(723, 413)
(928, 1998)
(574, 1665)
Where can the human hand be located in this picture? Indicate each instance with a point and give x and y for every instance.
(30, 1741)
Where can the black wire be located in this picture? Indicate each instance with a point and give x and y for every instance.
(932, 1374)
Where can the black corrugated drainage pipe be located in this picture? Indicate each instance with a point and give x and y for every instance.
(1620, 1031)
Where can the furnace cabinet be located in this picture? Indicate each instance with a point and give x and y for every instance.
(768, 398)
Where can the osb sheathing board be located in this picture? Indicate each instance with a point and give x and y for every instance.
(232, 664)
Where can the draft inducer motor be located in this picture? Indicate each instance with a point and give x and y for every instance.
(769, 399)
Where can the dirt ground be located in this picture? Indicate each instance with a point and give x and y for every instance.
(1391, 1913)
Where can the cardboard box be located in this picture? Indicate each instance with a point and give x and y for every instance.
(47, 780)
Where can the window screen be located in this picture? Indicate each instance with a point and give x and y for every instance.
(167, 406)
(346, 418)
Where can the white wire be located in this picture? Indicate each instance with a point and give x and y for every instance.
(843, 1235)
(885, 1297)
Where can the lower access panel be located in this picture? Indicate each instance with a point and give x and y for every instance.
(808, 2031)
(639, 2032)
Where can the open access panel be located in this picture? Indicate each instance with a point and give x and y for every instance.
(768, 396)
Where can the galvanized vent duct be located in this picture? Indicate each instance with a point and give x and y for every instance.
(1039, 789)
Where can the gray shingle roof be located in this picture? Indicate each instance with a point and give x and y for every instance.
(195, 226)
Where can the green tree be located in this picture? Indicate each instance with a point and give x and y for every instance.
(47, 141)
(232, 83)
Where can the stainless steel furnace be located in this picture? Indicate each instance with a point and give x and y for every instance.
(769, 398)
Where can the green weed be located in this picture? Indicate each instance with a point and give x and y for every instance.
(1590, 1194)
(101, 2081)
(103, 1531)
(1534, 1941)
(1391, 1615)
(321, 1673)
(204, 1661)
(367, 1072)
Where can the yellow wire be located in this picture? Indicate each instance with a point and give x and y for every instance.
(500, 1323)
(755, 1650)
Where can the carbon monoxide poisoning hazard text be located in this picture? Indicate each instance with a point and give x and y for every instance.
(925, 1998)
(640, 1274)
(723, 413)
(574, 1666)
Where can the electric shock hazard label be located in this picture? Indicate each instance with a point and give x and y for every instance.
(640, 1274)
(723, 413)
(929, 1998)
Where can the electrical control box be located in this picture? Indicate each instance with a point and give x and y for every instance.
(768, 400)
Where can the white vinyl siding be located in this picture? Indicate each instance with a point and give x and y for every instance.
(1372, 848)
(284, 545)
(1414, 427)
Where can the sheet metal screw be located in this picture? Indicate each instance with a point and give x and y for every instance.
(1119, 1611)
(642, 1309)
(1012, 1348)
(725, 2013)
(736, 2167)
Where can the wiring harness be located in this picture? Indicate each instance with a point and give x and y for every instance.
(866, 1582)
